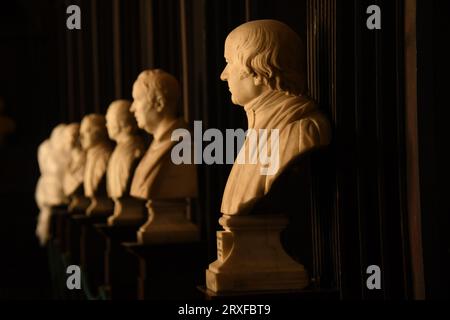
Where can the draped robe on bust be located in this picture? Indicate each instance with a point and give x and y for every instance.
(301, 126)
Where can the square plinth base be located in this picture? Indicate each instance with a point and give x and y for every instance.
(256, 281)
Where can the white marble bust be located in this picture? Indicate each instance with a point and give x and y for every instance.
(165, 185)
(156, 96)
(74, 173)
(95, 142)
(266, 75)
(53, 157)
(130, 147)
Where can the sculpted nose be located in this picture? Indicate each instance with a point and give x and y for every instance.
(224, 75)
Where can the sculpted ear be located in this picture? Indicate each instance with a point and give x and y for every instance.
(124, 126)
(257, 80)
(160, 102)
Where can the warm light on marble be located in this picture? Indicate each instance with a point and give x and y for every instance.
(156, 97)
(266, 74)
(130, 148)
(95, 142)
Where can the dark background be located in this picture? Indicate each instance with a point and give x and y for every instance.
(360, 215)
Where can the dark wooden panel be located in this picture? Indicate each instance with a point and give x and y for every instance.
(105, 54)
(433, 114)
(356, 76)
(130, 45)
(218, 112)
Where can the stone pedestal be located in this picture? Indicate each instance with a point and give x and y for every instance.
(169, 271)
(92, 248)
(128, 211)
(312, 293)
(168, 223)
(57, 223)
(73, 235)
(121, 267)
(250, 257)
(100, 206)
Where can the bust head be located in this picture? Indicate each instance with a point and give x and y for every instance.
(263, 55)
(71, 136)
(120, 121)
(156, 95)
(93, 131)
(57, 137)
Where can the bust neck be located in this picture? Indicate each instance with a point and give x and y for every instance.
(96, 147)
(123, 137)
(164, 126)
(262, 100)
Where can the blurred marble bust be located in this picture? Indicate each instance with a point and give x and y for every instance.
(95, 142)
(73, 176)
(166, 186)
(266, 74)
(130, 147)
(53, 158)
(156, 96)
(74, 173)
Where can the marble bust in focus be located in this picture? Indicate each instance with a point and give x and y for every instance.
(130, 147)
(95, 142)
(165, 185)
(266, 75)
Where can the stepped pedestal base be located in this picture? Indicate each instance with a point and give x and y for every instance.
(168, 223)
(251, 257)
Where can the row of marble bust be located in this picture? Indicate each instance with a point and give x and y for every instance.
(104, 165)
(266, 74)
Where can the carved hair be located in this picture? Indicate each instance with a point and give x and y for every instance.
(98, 123)
(73, 127)
(157, 82)
(273, 51)
(57, 136)
(121, 108)
(72, 133)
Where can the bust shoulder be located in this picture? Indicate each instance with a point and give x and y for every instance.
(314, 131)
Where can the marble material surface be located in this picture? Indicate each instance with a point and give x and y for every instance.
(130, 148)
(156, 97)
(95, 142)
(266, 74)
(53, 159)
(250, 257)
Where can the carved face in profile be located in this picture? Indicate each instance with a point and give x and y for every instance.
(263, 55)
(243, 87)
(120, 122)
(89, 134)
(112, 124)
(146, 108)
(71, 136)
